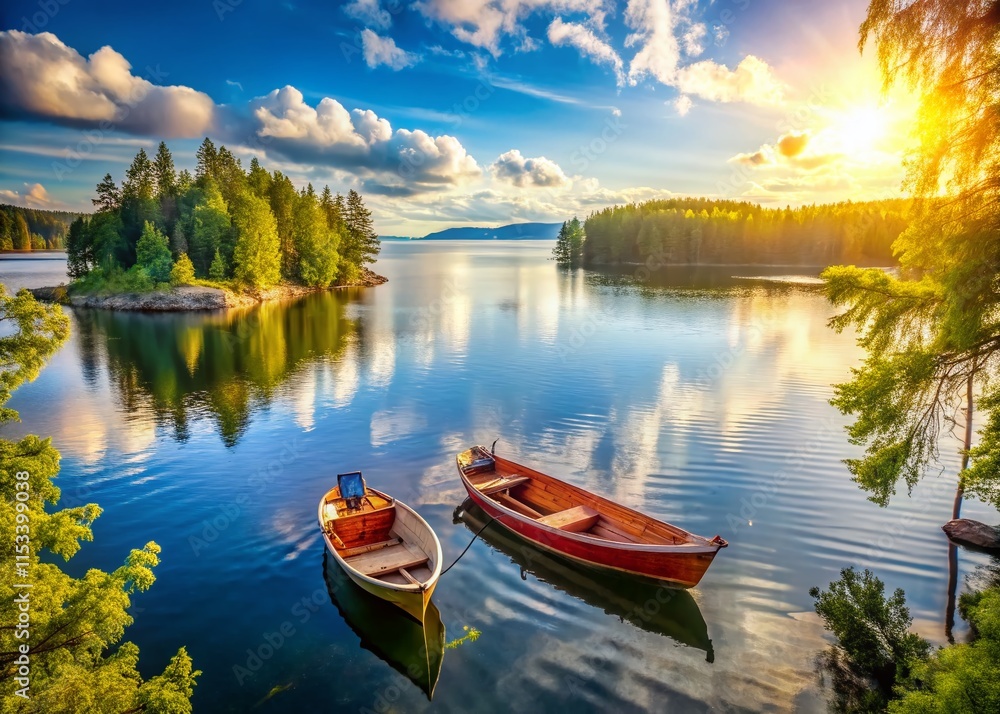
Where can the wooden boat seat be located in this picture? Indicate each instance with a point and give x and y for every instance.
(388, 559)
(523, 508)
(575, 520)
(358, 550)
(502, 484)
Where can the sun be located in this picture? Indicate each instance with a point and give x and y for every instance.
(862, 129)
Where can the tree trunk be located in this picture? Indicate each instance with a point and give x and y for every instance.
(956, 510)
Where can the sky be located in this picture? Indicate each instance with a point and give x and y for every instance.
(448, 112)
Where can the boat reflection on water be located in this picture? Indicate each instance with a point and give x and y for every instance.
(647, 605)
(413, 649)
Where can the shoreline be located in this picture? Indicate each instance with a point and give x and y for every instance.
(193, 298)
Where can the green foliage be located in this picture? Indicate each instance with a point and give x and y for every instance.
(109, 198)
(218, 269)
(113, 281)
(256, 257)
(229, 223)
(30, 228)
(164, 173)
(183, 271)
(30, 333)
(360, 242)
(875, 650)
(315, 243)
(932, 335)
(684, 231)
(210, 227)
(74, 621)
(153, 254)
(283, 197)
(568, 250)
(961, 678)
(871, 629)
(79, 249)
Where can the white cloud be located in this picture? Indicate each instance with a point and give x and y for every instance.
(683, 104)
(517, 170)
(43, 77)
(588, 43)
(655, 24)
(752, 81)
(234, 83)
(369, 13)
(401, 161)
(383, 50)
(483, 23)
(652, 23)
(32, 196)
(694, 43)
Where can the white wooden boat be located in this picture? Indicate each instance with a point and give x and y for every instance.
(382, 544)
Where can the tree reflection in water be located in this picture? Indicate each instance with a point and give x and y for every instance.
(224, 365)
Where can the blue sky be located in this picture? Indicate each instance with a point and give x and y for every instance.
(444, 112)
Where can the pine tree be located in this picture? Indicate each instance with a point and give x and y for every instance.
(140, 178)
(561, 251)
(207, 158)
(360, 244)
(79, 249)
(153, 254)
(217, 271)
(259, 180)
(164, 173)
(108, 196)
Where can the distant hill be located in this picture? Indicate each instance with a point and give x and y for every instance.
(515, 231)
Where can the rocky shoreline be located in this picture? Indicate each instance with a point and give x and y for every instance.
(189, 298)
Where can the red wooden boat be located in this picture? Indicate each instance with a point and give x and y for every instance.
(578, 524)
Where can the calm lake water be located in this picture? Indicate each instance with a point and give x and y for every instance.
(701, 399)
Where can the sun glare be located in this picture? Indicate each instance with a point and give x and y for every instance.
(863, 129)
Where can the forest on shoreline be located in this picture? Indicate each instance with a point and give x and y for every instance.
(29, 229)
(224, 226)
(693, 231)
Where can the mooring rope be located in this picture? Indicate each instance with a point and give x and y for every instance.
(468, 546)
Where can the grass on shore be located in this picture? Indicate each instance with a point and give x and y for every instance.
(134, 280)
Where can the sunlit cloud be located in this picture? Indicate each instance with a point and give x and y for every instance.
(380, 51)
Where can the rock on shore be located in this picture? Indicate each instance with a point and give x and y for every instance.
(189, 297)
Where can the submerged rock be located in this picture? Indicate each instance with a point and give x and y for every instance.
(966, 532)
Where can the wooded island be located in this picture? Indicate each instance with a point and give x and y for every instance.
(222, 227)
